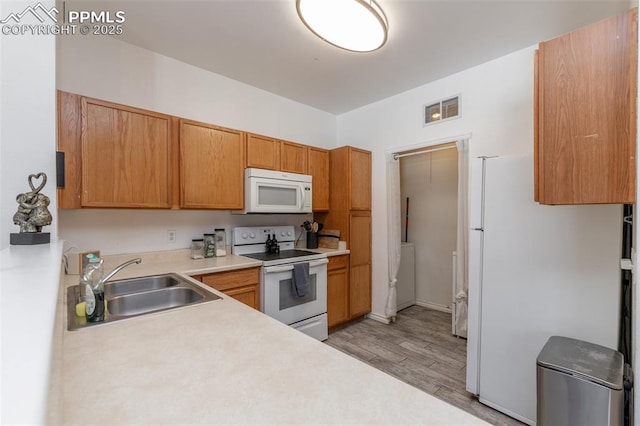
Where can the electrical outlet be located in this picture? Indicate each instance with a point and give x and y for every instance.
(171, 235)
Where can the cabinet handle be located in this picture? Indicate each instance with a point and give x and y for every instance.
(59, 169)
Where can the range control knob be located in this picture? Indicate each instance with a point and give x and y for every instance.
(244, 235)
(283, 233)
(289, 233)
(252, 235)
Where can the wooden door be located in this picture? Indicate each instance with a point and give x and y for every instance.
(293, 157)
(360, 260)
(360, 173)
(126, 156)
(263, 152)
(319, 170)
(211, 166)
(338, 290)
(586, 114)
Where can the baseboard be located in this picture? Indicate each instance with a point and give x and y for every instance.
(379, 318)
(434, 306)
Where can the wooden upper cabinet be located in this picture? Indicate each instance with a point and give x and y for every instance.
(263, 152)
(360, 169)
(211, 166)
(585, 114)
(293, 157)
(319, 169)
(126, 156)
(69, 130)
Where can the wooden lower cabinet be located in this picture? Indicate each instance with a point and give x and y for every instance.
(360, 277)
(360, 290)
(338, 290)
(242, 284)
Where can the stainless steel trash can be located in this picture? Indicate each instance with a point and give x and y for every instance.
(579, 383)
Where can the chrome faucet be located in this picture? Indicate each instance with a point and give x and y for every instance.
(120, 268)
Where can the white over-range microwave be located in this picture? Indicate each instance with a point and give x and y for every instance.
(270, 191)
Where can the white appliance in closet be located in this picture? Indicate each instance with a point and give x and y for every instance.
(406, 285)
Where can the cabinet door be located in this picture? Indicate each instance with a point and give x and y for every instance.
(126, 155)
(211, 167)
(360, 290)
(319, 170)
(249, 295)
(360, 171)
(293, 157)
(338, 290)
(360, 237)
(68, 142)
(263, 152)
(243, 285)
(360, 259)
(586, 117)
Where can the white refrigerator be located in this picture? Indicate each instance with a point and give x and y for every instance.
(534, 271)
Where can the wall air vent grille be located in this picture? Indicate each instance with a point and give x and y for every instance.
(444, 109)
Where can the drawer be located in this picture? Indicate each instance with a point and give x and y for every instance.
(232, 279)
(338, 262)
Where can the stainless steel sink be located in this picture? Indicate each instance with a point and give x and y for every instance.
(134, 285)
(133, 297)
(150, 301)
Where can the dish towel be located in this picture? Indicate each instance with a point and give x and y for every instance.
(300, 279)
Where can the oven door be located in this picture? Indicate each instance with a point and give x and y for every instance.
(279, 300)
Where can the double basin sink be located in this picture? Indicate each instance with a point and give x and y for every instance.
(133, 297)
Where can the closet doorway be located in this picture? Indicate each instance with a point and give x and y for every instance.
(429, 200)
(431, 185)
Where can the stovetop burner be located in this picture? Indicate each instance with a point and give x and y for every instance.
(284, 254)
(251, 242)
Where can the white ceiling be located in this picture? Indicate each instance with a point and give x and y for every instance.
(264, 44)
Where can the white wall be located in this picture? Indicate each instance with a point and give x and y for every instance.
(431, 183)
(27, 118)
(114, 231)
(108, 69)
(497, 110)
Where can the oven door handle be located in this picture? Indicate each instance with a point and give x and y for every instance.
(285, 268)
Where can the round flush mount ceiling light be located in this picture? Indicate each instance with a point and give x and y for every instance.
(356, 25)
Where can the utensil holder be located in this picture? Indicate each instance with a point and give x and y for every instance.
(312, 240)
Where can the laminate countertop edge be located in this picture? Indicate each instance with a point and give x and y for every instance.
(29, 280)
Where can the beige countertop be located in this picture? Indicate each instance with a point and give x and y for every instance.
(327, 251)
(222, 362)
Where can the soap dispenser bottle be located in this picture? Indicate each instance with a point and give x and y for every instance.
(94, 289)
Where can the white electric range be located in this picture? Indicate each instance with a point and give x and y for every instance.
(278, 297)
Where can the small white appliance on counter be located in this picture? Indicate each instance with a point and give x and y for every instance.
(306, 313)
(535, 271)
(270, 191)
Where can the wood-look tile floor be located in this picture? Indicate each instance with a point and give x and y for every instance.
(419, 350)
